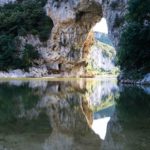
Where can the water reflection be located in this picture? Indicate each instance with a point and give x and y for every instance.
(129, 127)
(73, 115)
(100, 126)
(46, 115)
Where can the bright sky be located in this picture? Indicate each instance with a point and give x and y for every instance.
(101, 26)
(100, 127)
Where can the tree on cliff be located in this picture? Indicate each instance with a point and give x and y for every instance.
(21, 18)
(134, 52)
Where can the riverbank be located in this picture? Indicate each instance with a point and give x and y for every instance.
(42, 72)
(33, 72)
(144, 81)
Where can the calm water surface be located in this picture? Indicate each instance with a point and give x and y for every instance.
(81, 114)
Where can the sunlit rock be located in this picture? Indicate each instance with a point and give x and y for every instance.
(65, 52)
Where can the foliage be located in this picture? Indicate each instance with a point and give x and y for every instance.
(9, 56)
(134, 51)
(19, 19)
(29, 54)
(7, 51)
(25, 17)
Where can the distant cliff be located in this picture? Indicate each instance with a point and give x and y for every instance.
(103, 37)
(101, 59)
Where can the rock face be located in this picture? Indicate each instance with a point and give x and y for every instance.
(73, 20)
(34, 72)
(143, 81)
(114, 11)
(72, 23)
(66, 51)
(101, 58)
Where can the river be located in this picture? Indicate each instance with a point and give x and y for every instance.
(73, 114)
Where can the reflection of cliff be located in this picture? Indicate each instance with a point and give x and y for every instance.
(59, 115)
(103, 95)
(128, 128)
(70, 127)
(59, 118)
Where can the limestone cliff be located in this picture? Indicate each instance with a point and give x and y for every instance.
(101, 58)
(66, 51)
(73, 19)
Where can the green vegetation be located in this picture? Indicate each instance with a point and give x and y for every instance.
(9, 55)
(25, 17)
(19, 19)
(107, 50)
(7, 51)
(29, 54)
(134, 51)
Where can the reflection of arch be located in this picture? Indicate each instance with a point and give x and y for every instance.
(68, 114)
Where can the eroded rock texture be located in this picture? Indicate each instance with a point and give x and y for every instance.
(66, 51)
(72, 23)
(73, 20)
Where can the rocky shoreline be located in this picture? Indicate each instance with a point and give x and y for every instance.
(144, 81)
(39, 72)
(33, 72)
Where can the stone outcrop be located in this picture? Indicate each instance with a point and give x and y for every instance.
(34, 72)
(114, 11)
(66, 51)
(72, 23)
(143, 81)
(101, 59)
(73, 20)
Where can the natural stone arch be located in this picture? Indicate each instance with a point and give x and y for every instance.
(73, 20)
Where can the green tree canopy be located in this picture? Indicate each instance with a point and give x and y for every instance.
(134, 51)
(19, 19)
